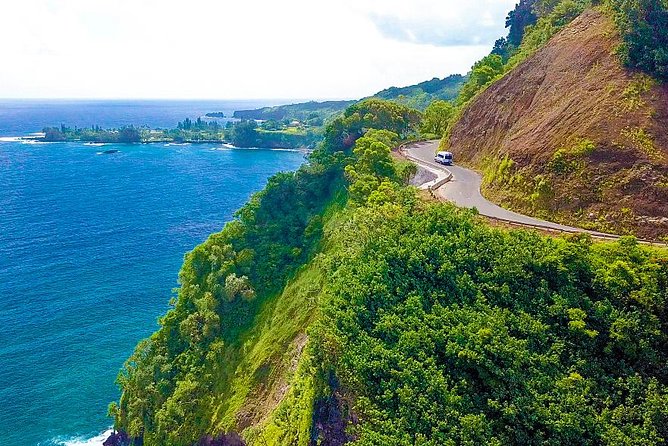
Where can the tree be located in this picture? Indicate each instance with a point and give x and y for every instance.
(437, 117)
(244, 134)
(129, 135)
(519, 18)
(368, 114)
(53, 134)
(644, 28)
(483, 73)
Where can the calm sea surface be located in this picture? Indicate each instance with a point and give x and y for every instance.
(90, 248)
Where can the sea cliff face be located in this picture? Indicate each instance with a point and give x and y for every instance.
(231, 357)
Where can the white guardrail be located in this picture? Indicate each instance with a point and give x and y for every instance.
(443, 175)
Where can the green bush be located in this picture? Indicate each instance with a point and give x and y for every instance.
(644, 28)
(444, 331)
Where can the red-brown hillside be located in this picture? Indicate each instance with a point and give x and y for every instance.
(585, 141)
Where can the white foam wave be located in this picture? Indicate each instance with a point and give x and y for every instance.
(227, 147)
(10, 138)
(81, 441)
(94, 144)
(34, 141)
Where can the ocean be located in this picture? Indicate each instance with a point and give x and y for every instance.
(90, 248)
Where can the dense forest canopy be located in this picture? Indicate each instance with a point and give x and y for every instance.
(444, 331)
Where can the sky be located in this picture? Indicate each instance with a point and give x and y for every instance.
(251, 49)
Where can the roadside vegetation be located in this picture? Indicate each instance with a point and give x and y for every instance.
(643, 25)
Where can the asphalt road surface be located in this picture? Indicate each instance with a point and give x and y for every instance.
(464, 190)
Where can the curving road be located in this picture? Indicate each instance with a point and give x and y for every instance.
(463, 189)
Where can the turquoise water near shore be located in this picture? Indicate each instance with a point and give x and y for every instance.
(90, 247)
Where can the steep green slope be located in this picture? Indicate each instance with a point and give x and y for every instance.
(221, 350)
(420, 95)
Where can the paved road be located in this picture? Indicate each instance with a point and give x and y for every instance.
(464, 190)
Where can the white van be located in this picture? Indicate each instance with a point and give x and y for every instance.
(444, 158)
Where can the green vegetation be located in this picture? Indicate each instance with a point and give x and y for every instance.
(272, 134)
(311, 113)
(185, 131)
(182, 382)
(128, 134)
(338, 306)
(370, 114)
(419, 96)
(519, 18)
(483, 73)
(241, 134)
(632, 97)
(446, 332)
(568, 160)
(644, 28)
(436, 119)
(643, 141)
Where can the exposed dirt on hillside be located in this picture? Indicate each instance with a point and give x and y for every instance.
(585, 141)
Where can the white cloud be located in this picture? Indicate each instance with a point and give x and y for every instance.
(444, 23)
(223, 49)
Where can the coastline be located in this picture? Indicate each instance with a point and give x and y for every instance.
(66, 211)
(165, 142)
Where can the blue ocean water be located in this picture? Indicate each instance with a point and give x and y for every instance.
(90, 248)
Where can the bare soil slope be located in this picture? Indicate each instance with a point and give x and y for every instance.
(571, 135)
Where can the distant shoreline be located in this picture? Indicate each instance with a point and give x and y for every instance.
(166, 142)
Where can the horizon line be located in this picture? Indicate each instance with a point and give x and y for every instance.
(173, 99)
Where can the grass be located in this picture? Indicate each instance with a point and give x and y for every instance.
(267, 390)
(632, 96)
(288, 131)
(643, 141)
